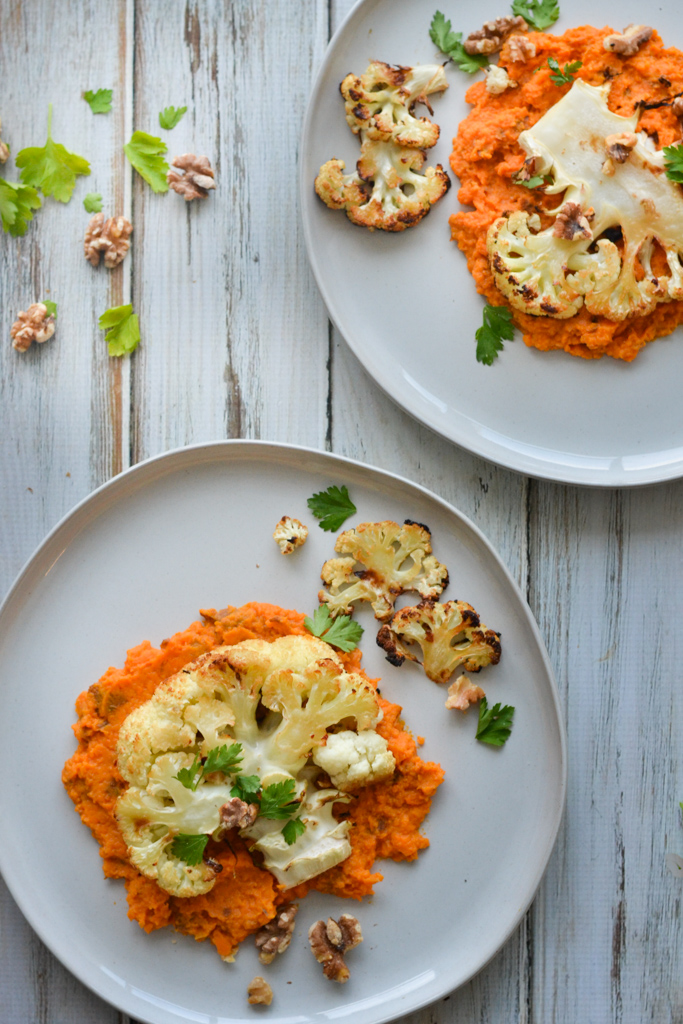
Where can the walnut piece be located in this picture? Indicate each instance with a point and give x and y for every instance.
(111, 237)
(490, 38)
(629, 41)
(571, 222)
(275, 936)
(259, 991)
(4, 149)
(330, 940)
(677, 107)
(619, 145)
(521, 49)
(462, 693)
(197, 179)
(237, 813)
(290, 534)
(32, 325)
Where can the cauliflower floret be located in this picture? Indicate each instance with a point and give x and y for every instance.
(555, 271)
(381, 101)
(498, 80)
(290, 534)
(387, 191)
(353, 759)
(449, 634)
(219, 701)
(393, 559)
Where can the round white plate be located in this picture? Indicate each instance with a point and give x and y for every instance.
(136, 561)
(408, 308)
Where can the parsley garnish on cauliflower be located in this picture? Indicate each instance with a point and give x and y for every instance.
(389, 189)
(611, 178)
(382, 560)
(261, 712)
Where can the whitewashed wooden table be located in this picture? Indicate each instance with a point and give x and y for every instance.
(236, 343)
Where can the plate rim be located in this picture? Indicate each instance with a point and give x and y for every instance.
(206, 452)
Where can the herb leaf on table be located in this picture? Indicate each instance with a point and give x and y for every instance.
(99, 100)
(450, 43)
(497, 325)
(332, 507)
(122, 330)
(146, 154)
(51, 168)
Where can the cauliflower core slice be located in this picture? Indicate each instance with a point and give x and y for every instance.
(546, 275)
(277, 700)
(393, 559)
(381, 101)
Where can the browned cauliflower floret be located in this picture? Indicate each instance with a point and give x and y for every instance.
(449, 634)
(391, 559)
(387, 191)
(381, 101)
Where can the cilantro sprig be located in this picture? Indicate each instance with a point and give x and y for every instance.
(495, 724)
(122, 330)
(224, 759)
(189, 848)
(540, 14)
(673, 162)
(146, 154)
(292, 830)
(170, 116)
(566, 76)
(341, 632)
(99, 100)
(277, 800)
(332, 507)
(247, 788)
(17, 203)
(51, 168)
(497, 325)
(451, 44)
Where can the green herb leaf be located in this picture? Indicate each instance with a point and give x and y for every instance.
(145, 152)
(123, 330)
(332, 507)
(673, 162)
(51, 168)
(450, 43)
(17, 203)
(51, 307)
(190, 776)
(277, 802)
(539, 13)
(247, 788)
(223, 759)
(534, 182)
(100, 101)
(93, 202)
(497, 324)
(341, 632)
(170, 116)
(494, 723)
(292, 830)
(189, 848)
(559, 77)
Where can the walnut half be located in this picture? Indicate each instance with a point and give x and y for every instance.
(32, 325)
(4, 149)
(490, 38)
(196, 180)
(259, 992)
(330, 940)
(629, 41)
(111, 237)
(275, 936)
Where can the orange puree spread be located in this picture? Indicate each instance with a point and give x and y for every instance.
(486, 155)
(386, 816)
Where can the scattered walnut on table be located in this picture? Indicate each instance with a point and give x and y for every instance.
(31, 325)
(111, 237)
(4, 149)
(275, 936)
(330, 940)
(629, 41)
(290, 534)
(573, 222)
(619, 146)
(259, 991)
(490, 38)
(197, 179)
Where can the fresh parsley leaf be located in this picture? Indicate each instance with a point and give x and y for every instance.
(123, 330)
(277, 802)
(332, 507)
(247, 788)
(190, 776)
(93, 202)
(170, 116)
(292, 830)
(450, 43)
(51, 168)
(494, 723)
(223, 759)
(146, 153)
(559, 77)
(189, 848)
(100, 101)
(51, 307)
(673, 162)
(539, 13)
(17, 203)
(497, 324)
(534, 182)
(341, 632)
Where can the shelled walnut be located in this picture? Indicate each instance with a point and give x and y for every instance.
(111, 237)
(259, 992)
(31, 325)
(330, 940)
(629, 41)
(4, 149)
(275, 936)
(197, 179)
(490, 38)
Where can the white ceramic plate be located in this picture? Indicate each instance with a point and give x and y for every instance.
(136, 561)
(408, 308)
